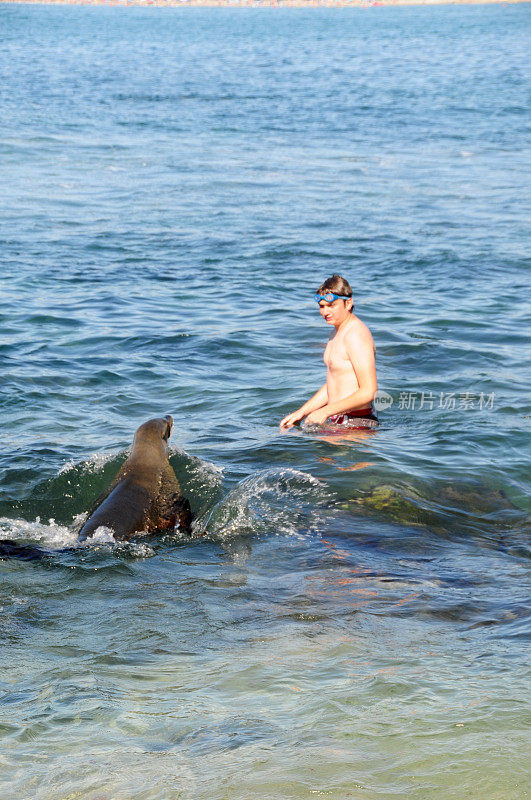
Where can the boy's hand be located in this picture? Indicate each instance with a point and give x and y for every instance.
(291, 419)
(317, 417)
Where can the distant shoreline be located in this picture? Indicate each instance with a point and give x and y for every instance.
(263, 3)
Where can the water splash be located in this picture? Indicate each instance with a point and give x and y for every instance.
(273, 501)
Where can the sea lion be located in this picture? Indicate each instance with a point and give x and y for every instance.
(145, 496)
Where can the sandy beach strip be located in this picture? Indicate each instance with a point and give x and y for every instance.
(264, 3)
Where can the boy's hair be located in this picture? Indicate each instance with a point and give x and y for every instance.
(337, 285)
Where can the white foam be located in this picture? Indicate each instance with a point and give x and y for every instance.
(49, 534)
(139, 550)
(102, 535)
(52, 536)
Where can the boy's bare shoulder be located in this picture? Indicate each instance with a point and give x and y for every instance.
(359, 333)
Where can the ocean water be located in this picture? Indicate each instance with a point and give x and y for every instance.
(352, 621)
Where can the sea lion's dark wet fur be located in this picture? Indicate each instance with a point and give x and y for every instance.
(145, 496)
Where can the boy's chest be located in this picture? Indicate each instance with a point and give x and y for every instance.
(335, 356)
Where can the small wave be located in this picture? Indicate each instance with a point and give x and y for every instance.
(200, 480)
(71, 491)
(274, 501)
(93, 463)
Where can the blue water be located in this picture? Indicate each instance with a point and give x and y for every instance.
(175, 183)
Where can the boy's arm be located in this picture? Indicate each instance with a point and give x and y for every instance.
(319, 399)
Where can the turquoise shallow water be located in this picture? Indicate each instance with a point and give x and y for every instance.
(175, 184)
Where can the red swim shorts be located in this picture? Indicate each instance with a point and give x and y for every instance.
(361, 418)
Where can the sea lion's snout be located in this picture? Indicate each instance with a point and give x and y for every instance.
(167, 433)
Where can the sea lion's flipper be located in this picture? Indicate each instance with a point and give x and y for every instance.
(183, 513)
(171, 506)
(171, 511)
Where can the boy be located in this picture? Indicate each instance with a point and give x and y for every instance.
(346, 397)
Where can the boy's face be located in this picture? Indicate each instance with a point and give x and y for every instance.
(336, 312)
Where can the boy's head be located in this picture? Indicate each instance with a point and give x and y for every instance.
(338, 286)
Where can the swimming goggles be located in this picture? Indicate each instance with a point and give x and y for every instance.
(329, 297)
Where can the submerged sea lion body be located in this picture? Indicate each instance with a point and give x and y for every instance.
(145, 496)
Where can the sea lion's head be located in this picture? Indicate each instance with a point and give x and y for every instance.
(154, 430)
